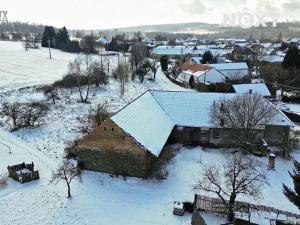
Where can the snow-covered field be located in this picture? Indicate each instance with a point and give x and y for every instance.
(99, 199)
(19, 68)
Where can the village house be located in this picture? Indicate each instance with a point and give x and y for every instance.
(193, 73)
(171, 51)
(130, 141)
(234, 71)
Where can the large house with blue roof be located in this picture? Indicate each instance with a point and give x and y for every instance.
(130, 141)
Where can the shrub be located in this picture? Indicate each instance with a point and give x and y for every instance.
(188, 207)
(24, 115)
(71, 81)
(71, 150)
(3, 180)
(32, 114)
(80, 165)
(89, 123)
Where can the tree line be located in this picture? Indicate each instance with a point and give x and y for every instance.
(286, 73)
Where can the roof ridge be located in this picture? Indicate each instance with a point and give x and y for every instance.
(162, 108)
(131, 102)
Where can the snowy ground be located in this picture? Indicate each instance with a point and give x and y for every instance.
(19, 68)
(99, 199)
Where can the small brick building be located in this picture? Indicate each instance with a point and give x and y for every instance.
(129, 142)
(112, 150)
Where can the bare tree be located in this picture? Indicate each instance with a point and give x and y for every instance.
(245, 115)
(175, 71)
(94, 119)
(67, 172)
(81, 69)
(121, 73)
(154, 65)
(30, 41)
(238, 175)
(32, 114)
(99, 75)
(141, 73)
(26, 43)
(13, 112)
(24, 114)
(138, 54)
(51, 93)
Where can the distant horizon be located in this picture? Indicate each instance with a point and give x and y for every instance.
(127, 27)
(117, 14)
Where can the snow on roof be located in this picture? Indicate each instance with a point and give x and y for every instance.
(197, 59)
(187, 66)
(189, 109)
(151, 117)
(146, 122)
(230, 66)
(198, 70)
(294, 40)
(272, 58)
(171, 50)
(260, 88)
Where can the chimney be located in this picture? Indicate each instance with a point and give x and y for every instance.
(271, 165)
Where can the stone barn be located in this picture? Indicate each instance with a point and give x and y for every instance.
(130, 141)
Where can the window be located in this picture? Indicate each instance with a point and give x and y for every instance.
(216, 134)
(112, 129)
(104, 128)
(222, 122)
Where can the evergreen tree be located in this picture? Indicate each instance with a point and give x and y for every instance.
(113, 45)
(294, 195)
(3, 36)
(88, 44)
(164, 63)
(49, 34)
(207, 57)
(73, 46)
(62, 39)
(292, 59)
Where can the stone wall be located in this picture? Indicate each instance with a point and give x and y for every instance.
(117, 163)
(277, 135)
(111, 150)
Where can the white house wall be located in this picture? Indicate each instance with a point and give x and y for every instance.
(212, 76)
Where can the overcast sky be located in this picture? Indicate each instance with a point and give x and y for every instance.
(99, 14)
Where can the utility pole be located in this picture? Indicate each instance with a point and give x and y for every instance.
(49, 48)
(107, 58)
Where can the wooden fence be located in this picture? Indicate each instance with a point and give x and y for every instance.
(215, 205)
(16, 173)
